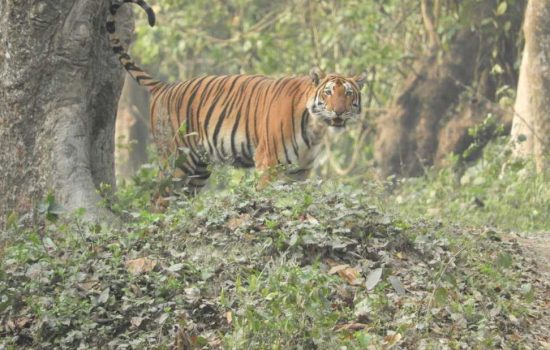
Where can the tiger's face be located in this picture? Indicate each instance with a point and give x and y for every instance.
(337, 99)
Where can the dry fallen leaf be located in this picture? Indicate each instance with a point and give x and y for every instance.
(350, 274)
(18, 324)
(236, 222)
(182, 341)
(136, 321)
(140, 265)
(391, 339)
(229, 317)
(337, 268)
(351, 327)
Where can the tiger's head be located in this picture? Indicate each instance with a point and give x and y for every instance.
(337, 98)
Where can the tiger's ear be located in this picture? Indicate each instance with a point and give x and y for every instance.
(360, 79)
(316, 75)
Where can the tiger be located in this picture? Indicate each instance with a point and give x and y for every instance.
(247, 120)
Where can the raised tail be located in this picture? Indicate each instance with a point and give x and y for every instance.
(142, 77)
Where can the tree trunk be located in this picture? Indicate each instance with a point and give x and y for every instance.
(59, 86)
(132, 128)
(431, 115)
(531, 124)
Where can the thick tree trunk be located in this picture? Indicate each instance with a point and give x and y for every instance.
(406, 139)
(531, 125)
(428, 119)
(59, 86)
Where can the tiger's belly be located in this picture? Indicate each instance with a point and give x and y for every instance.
(238, 150)
(230, 147)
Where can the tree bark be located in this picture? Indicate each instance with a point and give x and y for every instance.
(531, 124)
(59, 86)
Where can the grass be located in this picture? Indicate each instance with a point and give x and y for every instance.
(314, 265)
(492, 192)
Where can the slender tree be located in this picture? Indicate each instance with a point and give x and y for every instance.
(531, 124)
(59, 87)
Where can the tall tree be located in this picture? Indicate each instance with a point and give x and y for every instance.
(448, 90)
(59, 86)
(132, 128)
(531, 124)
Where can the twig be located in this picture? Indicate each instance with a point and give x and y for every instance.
(442, 271)
(354, 158)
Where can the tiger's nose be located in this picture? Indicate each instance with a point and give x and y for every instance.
(339, 111)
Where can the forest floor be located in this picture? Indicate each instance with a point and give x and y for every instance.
(314, 265)
(537, 247)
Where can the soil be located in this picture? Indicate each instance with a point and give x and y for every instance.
(537, 247)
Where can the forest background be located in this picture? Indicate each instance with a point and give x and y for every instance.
(425, 224)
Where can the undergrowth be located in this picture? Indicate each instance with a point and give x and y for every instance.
(493, 191)
(313, 265)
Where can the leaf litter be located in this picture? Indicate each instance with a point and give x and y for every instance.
(215, 272)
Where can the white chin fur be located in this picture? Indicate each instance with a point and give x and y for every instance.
(336, 131)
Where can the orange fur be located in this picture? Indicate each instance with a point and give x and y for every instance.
(248, 120)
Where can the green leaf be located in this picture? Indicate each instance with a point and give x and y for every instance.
(504, 260)
(441, 295)
(502, 7)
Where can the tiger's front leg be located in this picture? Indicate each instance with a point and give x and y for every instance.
(266, 164)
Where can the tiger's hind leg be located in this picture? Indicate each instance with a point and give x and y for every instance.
(298, 174)
(193, 161)
(197, 180)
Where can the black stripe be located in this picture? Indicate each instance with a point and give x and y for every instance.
(218, 95)
(238, 116)
(192, 95)
(202, 98)
(305, 116)
(202, 176)
(110, 27)
(118, 50)
(130, 66)
(180, 98)
(143, 77)
(223, 115)
(168, 94)
(247, 115)
(113, 9)
(295, 89)
(247, 157)
(276, 151)
(188, 171)
(177, 93)
(284, 145)
(268, 110)
(255, 115)
(282, 87)
(294, 141)
(124, 56)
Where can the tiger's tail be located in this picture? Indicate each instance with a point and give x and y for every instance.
(142, 77)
